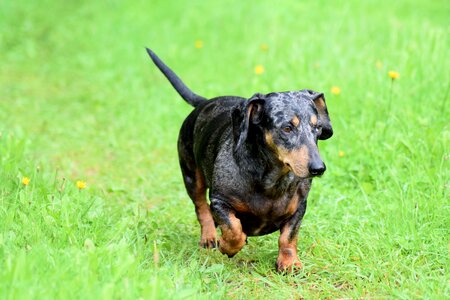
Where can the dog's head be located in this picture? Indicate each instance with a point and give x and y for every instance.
(289, 123)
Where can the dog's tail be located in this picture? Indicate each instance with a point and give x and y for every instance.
(180, 87)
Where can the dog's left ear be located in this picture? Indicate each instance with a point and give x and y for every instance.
(249, 112)
(319, 101)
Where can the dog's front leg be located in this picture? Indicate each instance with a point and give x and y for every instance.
(233, 238)
(287, 259)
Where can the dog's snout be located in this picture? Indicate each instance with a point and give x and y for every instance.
(317, 168)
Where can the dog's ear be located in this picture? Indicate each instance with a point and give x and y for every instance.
(319, 101)
(249, 112)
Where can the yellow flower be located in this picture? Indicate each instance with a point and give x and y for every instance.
(264, 47)
(335, 90)
(198, 44)
(259, 69)
(379, 65)
(81, 184)
(393, 74)
(341, 153)
(25, 181)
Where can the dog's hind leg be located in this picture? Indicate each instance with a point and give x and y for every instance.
(195, 183)
(196, 188)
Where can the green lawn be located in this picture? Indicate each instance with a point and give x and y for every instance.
(80, 100)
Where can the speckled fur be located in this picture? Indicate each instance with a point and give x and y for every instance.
(253, 189)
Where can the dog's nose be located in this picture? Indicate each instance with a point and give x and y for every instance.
(317, 168)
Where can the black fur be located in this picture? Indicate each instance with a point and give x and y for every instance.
(257, 157)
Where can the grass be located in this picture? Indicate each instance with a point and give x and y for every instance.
(80, 100)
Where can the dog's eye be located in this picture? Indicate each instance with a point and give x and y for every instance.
(287, 129)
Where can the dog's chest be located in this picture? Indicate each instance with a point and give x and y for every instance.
(261, 215)
(267, 207)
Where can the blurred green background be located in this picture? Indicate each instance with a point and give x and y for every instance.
(80, 100)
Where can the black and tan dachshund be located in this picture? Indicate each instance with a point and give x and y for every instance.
(257, 158)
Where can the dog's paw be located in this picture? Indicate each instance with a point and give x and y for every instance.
(208, 243)
(288, 264)
(208, 238)
(232, 247)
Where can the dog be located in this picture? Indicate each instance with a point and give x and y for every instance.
(257, 158)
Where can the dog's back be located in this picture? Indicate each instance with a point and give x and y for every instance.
(212, 126)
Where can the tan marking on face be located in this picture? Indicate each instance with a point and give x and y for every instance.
(297, 159)
(275, 148)
(295, 121)
(313, 119)
(269, 140)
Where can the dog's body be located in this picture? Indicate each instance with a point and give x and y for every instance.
(257, 157)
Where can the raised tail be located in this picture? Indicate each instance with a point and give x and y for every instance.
(190, 97)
